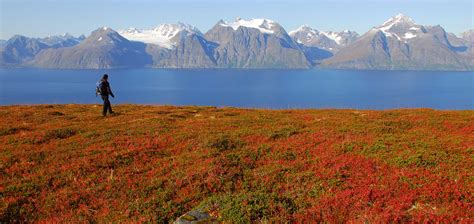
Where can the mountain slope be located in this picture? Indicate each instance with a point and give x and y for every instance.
(104, 48)
(402, 44)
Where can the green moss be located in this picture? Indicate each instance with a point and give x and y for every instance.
(12, 130)
(284, 133)
(250, 206)
(59, 133)
(225, 142)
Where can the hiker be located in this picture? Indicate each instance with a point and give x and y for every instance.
(103, 88)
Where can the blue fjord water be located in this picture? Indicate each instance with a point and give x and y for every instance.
(276, 89)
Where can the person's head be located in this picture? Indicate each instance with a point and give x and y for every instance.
(105, 77)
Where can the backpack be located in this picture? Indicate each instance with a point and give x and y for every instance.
(100, 88)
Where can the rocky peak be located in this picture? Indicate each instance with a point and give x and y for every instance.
(399, 19)
(468, 35)
(401, 27)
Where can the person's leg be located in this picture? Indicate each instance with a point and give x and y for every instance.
(106, 105)
(110, 106)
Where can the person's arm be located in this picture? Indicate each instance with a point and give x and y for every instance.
(110, 91)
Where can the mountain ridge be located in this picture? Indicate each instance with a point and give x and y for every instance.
(397, 44)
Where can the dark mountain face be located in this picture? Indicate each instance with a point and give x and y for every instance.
(104, 48)
(191, 51)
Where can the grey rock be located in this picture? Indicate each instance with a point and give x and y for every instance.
(195, 216)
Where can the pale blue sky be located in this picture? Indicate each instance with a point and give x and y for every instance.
(39, 18)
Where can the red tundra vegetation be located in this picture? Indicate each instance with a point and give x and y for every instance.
(66, 163)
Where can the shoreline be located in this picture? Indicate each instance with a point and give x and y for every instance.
(231, 107)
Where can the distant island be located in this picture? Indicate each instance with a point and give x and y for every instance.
(397, 44)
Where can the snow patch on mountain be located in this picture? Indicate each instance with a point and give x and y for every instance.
(303, 28)
(264, 25)
(400, 27)
(400, 18)
(409, 35)
(333, 36)
(163, 35)
(308, 34)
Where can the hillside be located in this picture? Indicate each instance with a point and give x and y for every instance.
(155, 163)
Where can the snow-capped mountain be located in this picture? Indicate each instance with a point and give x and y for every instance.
(342, 38)
(331, 41)
(165, 35)
(400, 43)
(255, 43)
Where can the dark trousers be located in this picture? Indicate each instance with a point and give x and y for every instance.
(107, 106)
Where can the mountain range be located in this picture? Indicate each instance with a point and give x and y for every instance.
(397, 44)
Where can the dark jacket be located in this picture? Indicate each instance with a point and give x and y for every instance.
(105, 89)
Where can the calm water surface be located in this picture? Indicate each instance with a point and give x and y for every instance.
(245, 88)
